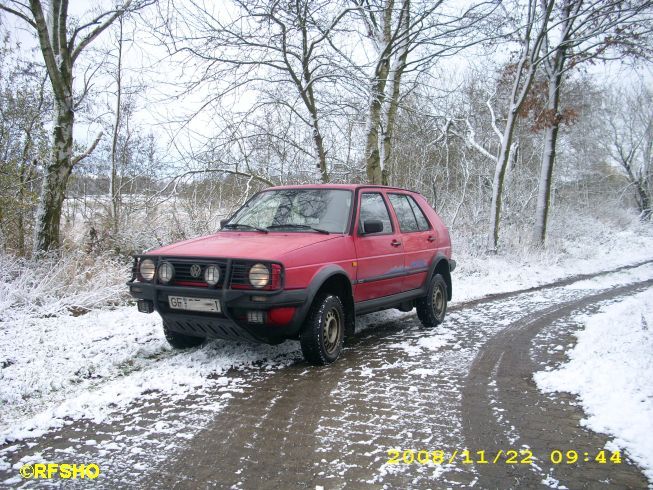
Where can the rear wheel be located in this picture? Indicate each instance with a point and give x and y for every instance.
(179, 340)
(323, 332)
(432, 308)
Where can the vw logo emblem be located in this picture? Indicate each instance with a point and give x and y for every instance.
(195, 270)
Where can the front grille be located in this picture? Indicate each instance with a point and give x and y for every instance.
(240, 274)
(233, 272)
(183, 276)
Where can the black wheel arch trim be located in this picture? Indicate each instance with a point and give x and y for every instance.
(316, 284)
(444, 266)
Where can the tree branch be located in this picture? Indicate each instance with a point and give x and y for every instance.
(88, 151)
(19, 14)
(99, 29)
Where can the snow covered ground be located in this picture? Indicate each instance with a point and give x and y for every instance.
(611, 371)
(56, 368)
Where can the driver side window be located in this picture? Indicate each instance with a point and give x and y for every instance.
(373, 207)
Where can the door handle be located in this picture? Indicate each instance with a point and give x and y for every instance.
(395, 243)
(431, 238)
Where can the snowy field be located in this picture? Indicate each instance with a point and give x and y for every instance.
(611, 371)
(56, 367)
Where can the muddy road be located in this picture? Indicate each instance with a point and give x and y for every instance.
(457, 404)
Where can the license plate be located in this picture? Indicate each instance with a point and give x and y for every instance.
(194, 304)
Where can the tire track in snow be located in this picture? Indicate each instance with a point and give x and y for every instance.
(502, 373)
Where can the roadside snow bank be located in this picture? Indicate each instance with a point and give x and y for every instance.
(587, 247)
(611, 370)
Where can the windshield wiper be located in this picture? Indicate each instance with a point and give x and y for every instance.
(303, 227)
(243, 225)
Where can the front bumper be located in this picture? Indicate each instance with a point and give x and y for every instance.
(232, 322)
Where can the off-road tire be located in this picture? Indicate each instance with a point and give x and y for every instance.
(179, 340)
(323, 331)
(432, 308)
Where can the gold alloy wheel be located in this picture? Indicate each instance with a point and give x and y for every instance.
(438, 301)
(331, 330)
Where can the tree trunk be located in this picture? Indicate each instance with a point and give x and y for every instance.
(25, 176)
(548, 160)
(372, 152)
(642, 197)
(55, 180)
(647, 172)
(645, 202)
(319, 145)
(395, 92)
(373, 143)
(544, 185)
(497, 184)
(115, 186)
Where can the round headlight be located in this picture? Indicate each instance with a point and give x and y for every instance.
(212, 275)
(147, 269)
(166, 272)
(259, 276)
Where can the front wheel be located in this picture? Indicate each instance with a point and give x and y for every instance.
(323, 333)
(179, 340)
(432, 307)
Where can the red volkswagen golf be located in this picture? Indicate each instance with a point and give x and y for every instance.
(300, 262)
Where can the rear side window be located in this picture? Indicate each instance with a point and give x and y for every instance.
(410, 216)
(373, 207)
(405, 215)
(422, 222)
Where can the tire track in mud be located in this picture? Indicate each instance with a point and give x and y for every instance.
(501, 380)
(543, 287)
(331, 426)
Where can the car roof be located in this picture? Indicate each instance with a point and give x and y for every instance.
(340, 186)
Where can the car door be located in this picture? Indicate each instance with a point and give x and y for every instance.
(380, 256)
(417, 236)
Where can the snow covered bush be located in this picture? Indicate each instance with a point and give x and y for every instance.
(71, 284)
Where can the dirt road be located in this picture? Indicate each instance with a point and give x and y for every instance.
(466, 385)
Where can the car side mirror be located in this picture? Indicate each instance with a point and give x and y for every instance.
(372, 226)
(223, 222)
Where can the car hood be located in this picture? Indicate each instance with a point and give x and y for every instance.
(243, 245)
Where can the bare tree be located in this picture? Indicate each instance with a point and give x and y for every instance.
(61, 45)
(114, 177)
(630, 144)
(24, 101)
(582, 31)
(407, 36)
(288, 45)
(390, 32)
(529, 34)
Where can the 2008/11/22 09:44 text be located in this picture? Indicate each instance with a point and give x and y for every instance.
(510, 456)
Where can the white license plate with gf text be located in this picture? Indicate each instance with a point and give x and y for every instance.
(194, 304)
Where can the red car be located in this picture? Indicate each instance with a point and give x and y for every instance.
(300, 262)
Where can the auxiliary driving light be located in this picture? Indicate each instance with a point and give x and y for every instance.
(212, 275)
(166, 272)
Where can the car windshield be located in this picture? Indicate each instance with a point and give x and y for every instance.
(296, 210)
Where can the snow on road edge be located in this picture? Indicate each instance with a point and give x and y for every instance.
(611, 371)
